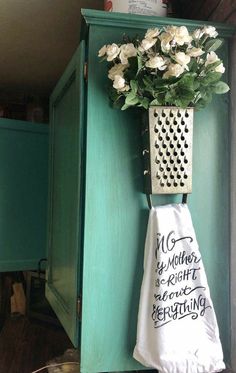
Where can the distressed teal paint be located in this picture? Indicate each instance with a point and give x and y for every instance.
(64, 232)
(135, 21)
(116, 210)
(23, 194)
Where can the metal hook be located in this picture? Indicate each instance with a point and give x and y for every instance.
(184, 198)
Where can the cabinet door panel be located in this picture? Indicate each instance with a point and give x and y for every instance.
(65, 193)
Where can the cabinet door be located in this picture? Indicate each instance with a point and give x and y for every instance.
(64, 237)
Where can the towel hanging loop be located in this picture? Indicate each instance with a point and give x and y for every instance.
(184, 198)
(149, 201)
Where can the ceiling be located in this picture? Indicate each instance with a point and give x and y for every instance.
(37, 40)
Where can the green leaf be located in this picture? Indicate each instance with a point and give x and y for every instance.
(134, 86)
(154, 102)
(124, 107)
(140, 63)
(211, 77)
(144, 102)
(220, 88)
(213, 45)
(187, 81)
(131, 99)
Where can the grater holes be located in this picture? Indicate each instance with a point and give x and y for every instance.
(167, 137)
(163, 130)
(155, 114)
(186, 130)
(163, 114)
(182, 184)
(159, 122)
(155, 129)
(168, 183)
(186, 114)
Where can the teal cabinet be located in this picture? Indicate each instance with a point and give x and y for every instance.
(97, 226)
(23, 194)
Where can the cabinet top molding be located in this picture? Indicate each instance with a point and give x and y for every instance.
(99, 17)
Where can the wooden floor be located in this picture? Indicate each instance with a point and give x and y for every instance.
(27, 345)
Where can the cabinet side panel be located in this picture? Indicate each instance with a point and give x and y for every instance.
(23, 194)
(116, 216)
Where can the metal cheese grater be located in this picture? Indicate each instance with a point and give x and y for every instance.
(168, 150)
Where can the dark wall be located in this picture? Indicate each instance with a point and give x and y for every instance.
(212, 10)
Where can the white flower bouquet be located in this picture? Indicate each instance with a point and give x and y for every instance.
(169, 67)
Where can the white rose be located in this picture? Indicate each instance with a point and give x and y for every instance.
(147, 44)
(220, 68)
(195, 52)
(165, 38)
(171, 30)
(197, 34)
(211, 58)
(102, 51)
(152, 33)
(182, 35)
(182, 59)
(127, 51)
(156, 62)
(117, 69)
(112, 51)
(119, 83)
(210, 31)
(174, 69)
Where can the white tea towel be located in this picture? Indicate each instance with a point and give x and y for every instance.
(177, 330)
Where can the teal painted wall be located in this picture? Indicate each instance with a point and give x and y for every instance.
(23, 194)
(116, 215)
